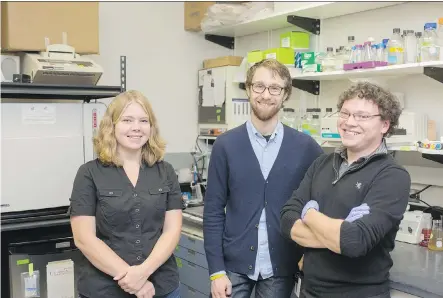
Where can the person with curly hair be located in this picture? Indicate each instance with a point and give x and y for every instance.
(126, 207)
(348, 208)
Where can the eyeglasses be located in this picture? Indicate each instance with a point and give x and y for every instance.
(357, 117)
(260, 88)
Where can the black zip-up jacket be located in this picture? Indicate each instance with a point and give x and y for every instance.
(362, 268)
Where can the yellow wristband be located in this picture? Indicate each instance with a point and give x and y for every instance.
(214, 277)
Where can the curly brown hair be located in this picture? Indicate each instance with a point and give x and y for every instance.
(277, 68)
(388, 105)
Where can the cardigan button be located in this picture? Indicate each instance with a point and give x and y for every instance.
(256, 226)
(252, 248)
(250, 267)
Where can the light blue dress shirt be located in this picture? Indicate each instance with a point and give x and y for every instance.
(266, 153)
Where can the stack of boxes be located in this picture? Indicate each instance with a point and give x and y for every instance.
(293, 52)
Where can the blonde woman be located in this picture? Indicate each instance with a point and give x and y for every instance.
(126, 208)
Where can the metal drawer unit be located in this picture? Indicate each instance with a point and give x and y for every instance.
(193, 267)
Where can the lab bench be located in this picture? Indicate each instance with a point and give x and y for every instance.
(417, 272)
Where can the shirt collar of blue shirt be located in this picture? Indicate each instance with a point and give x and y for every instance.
(256, 133)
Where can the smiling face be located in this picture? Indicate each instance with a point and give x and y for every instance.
(266, 104)
(133, 129)
(365, 134)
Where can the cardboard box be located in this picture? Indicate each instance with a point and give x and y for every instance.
(294, 40)
(222, 61)
(24, 25)
(194, 14)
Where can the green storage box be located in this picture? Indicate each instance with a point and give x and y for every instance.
(255, 56)
(294, 40)
(282, 55)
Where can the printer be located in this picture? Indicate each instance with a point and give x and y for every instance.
(60, 65)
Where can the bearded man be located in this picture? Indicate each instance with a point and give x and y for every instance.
(253, 170)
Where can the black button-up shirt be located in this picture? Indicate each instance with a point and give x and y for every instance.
(128, 219)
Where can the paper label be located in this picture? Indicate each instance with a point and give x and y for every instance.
(38, 114)
(31, 286)
(285, 42)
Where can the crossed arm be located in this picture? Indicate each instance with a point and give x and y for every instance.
(353, 239)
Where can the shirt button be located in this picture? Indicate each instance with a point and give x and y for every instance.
(137, 226)
(137, 210)
(135, 195)
(138, 241)
(139, 258)
(250, 267)
(160, 189)
(252, 248)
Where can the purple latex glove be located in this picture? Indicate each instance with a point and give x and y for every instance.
(311, 204)
(358, 212)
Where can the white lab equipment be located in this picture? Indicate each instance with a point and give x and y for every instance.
(222, 104)
(43, 145)
(411, 226)
(60, 65)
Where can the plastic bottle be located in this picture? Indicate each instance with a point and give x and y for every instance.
(348, 48)
(410, 47)
(430, 50)
(395, 48)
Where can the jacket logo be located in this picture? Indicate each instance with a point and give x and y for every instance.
(358, 185)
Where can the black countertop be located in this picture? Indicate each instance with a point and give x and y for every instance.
(416, 270)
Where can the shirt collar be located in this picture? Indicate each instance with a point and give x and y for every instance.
(277, 131)
(382, 149)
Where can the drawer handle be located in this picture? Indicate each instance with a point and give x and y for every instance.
(191, 252)
(192, 290)
(191, 264)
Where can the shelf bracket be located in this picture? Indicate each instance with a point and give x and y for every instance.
(242, 86)
(312, 87)
(311, 25)
(435, 73)
(433, 157)
(123, 73)
(224, 41)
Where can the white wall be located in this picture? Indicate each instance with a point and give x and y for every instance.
(422, 94)
(162, 62)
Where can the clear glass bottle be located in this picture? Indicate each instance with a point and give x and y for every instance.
(430, 50)
(289, 118)
(395, 48)
(440, 37)
(315, 127)
(329, 61)
(419, 38)
(368, 54)
(436, 239)
(306, 123)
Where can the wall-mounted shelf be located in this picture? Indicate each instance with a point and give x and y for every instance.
(60, 92)
(317, 10)
(432, 69)
(310, 82)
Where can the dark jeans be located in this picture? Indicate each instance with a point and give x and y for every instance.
(275, 287)
(173, 294)
(385, 295)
